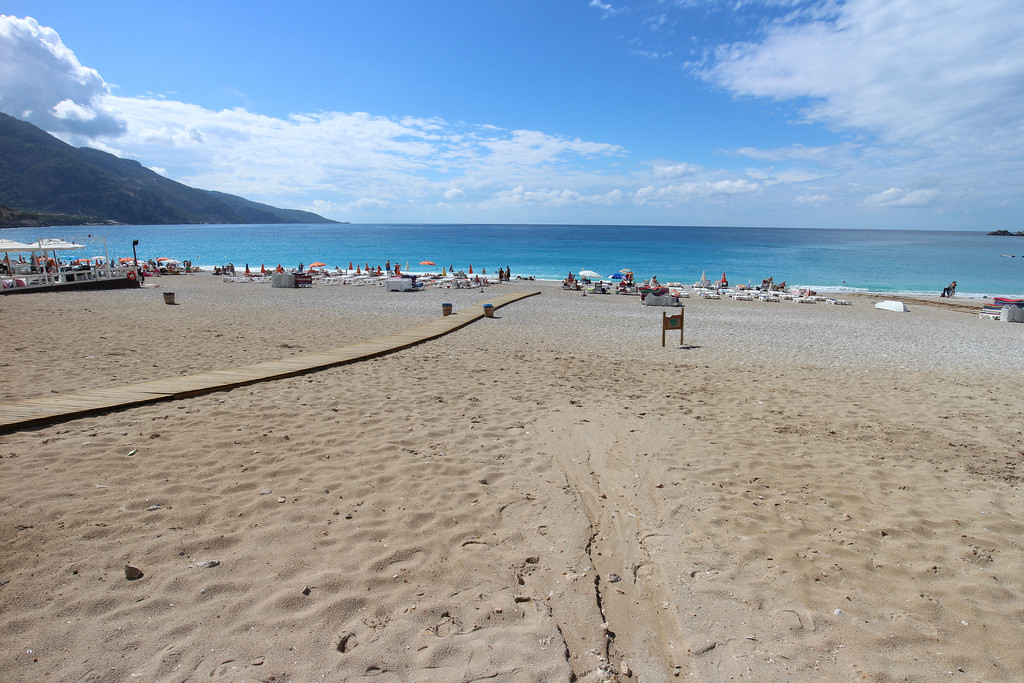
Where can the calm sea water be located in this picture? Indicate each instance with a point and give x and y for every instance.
(829, 260)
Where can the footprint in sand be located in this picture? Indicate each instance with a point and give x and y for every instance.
(915, 621)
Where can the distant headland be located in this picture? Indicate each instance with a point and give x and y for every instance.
(1006, 233)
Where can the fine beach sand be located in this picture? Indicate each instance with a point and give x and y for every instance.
(799, 492)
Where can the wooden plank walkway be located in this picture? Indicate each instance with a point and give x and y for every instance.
(47, 409)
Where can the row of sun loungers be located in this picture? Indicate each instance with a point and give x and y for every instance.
(329, 279)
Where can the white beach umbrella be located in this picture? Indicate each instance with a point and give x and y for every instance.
(11, 245)
(8, 246)
(590, 275)
(54, 244)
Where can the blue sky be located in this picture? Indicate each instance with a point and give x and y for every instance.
(856, 113)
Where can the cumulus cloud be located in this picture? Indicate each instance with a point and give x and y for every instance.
(42, 82)
(454, 193)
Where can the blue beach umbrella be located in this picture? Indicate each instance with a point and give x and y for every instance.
(616, 276)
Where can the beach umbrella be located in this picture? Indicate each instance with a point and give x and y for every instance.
(470, 268)
(350, 265)
(616, 276)
(263, 269)
(625, 271)
(11, 245)
(7, 246)
(427, 263)
(52, 243)
(318, 264)
(590, 275)
(704, 281)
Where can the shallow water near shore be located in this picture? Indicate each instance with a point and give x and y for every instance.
(883, 261)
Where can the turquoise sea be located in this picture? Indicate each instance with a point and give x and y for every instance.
(897, 261)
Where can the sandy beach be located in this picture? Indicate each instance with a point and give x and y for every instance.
(797, 492)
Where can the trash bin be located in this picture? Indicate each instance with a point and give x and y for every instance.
(446, 309)
(488, 310)
(169, 298)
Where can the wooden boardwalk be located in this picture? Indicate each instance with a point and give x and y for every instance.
(48, 409)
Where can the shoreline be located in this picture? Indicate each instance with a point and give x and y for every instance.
(823, 289)
(795, 491)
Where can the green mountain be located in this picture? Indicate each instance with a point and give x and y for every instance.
(41, 176)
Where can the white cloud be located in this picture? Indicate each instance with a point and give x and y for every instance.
(454, 193)
(906, 70)
(818, 154)
(675, 194)
(605, 7)
(520, 196)
(42, 82)
(929, 93)
(812, 200)
(898, 197)
(663, 170)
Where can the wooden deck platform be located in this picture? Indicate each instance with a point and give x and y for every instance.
(48, 409)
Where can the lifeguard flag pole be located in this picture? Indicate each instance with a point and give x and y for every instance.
(671, 322)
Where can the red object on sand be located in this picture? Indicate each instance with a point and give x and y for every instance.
(471, 269)
(350, 265)
(263, 269)
(723, 278)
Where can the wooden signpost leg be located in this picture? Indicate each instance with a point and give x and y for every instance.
(670, 321)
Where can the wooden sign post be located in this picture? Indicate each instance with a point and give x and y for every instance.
(671, 322)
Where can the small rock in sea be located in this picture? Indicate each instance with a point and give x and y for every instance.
(131, 572)
(153, 507)
(205, 564)
(614, 578)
